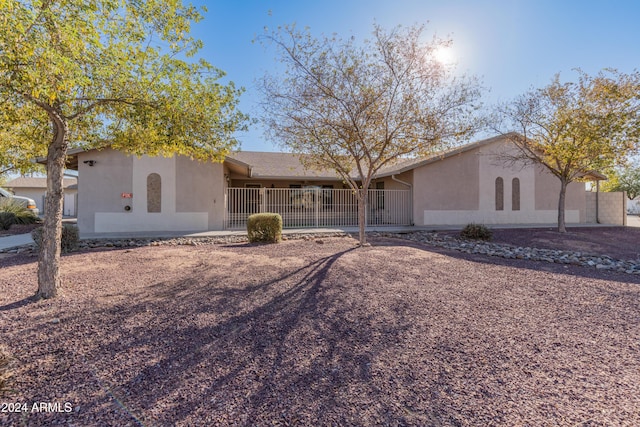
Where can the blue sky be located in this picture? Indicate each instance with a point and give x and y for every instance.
(510, 45)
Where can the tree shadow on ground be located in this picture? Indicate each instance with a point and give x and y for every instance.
(12, 260)
(18, 304)
(289, 349)
(300, 345)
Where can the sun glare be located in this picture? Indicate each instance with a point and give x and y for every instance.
(445, 55)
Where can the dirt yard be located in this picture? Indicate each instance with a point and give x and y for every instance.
(320, 333)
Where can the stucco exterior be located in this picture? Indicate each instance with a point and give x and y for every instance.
(113, 194)
(200, 187)
(461, 189)
(119, 193)
(446, 190)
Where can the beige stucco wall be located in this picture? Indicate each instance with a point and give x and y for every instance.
(200, 187)
(100, 186)
(391, 184)
(612, 208)
(192, 195)
(448, 185)
(462, 189)
(548, 194)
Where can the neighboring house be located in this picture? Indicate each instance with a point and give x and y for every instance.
(633, 206)
(121, 193)
(36, 188)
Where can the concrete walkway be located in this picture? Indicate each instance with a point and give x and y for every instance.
(9, 242)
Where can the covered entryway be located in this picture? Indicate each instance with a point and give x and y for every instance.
(315, 206)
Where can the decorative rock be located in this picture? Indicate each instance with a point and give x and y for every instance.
(601, 262)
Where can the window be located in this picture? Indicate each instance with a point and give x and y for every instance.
(515, 194)
(499, 194)
(154, 193)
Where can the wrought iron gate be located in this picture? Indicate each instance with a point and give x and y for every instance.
(317, 207)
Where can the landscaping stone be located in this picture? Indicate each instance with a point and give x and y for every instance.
(598, 261)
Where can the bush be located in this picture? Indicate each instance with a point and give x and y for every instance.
(476, 232)
(70, 238)
(7, 219)
(21, 215)
(27, 217)
(264, 227)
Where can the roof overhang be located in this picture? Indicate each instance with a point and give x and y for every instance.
(593, 176)
(238, 167)
(296, 178)
(72, 158)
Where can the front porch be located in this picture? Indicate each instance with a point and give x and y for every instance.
(317, 207)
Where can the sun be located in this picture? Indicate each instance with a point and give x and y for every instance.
(445, 55)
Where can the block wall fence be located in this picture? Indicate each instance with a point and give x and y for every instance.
(612, 208)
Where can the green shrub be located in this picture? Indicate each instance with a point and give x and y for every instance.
(7, 219)
(70, 237)
(27, 217)
(21, 215)
(264, 227)
(476, 232)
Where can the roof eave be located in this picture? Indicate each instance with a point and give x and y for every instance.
(295, 178)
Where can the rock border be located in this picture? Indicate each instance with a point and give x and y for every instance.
(170, 241)
(501, 250)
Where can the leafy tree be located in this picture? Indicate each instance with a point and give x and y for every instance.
(116, 72)
(574, 129)
(355, 108)
(623, 179)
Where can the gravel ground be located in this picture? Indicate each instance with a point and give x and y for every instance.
(617, 242)
(319, 332)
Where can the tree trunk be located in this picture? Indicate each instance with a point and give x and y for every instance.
(49, 258)
(362, 217)
(563, 192)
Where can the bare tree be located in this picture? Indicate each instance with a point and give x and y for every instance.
(355, 108)
(574, 129)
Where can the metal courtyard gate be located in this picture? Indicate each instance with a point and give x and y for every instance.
(317, 207)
